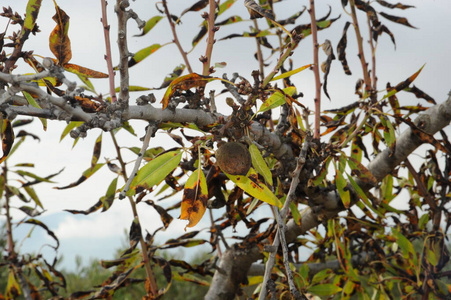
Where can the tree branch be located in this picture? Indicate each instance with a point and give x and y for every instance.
(108, 56)
(316, 133)
(433, 120)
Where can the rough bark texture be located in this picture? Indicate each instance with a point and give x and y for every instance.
(226, 282)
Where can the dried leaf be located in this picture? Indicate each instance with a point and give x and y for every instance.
(402, 85)
(341, 50)
(96, 151)
(195, 7)
(85, 72)
(399, 20)
(43, 226)
(59, 39)
(327, 47)
(195, 196)
(7, 139)
(185, 83)
(397, 5)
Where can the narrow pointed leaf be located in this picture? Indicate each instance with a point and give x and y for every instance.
(69, 127)
(277, 99)
(97, 150)
(85, 72)
(43, 226)
(149, 25)
(32, 12)
(33, 103)
(402, 85)
(259, 164)
(142, 54)
(399, 20)
(86, 174)
(291, 73)
(156, 170)
(251, 185)
(342, 184)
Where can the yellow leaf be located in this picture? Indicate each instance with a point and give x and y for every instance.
(251, 185)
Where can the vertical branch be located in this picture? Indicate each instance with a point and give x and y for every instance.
(122, 17)
(149, 132)
(206, 60)
(373, 57)
(176, 40)
(366, 75)
(9, 230)
(108, 57)
(283, 216)
(316, 132)
(259, 52)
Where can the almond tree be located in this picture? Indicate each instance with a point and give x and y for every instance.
(327, 178)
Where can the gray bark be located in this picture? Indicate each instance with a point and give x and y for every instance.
(226, 284)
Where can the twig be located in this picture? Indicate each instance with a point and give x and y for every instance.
(259, 52)
(108, 56)
(176, 40)
(283, 214)
(373, 57)
(286, 262)
(151, 129)
(355, 23)
(124, 54)
(206, 60)
(316, 132)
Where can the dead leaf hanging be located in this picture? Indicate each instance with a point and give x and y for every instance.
(59, 39)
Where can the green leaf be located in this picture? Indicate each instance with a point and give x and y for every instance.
(342, 184)
(156, 170)
(108, 199)
(32, 193)
(143, 53)
(406, 247)
(259, 164)
(150, 24)
(134, 88)
(277, 99)
(33, 103)
(325, 289)
(12, 286)
(362, 195)
(251, 185)
(225, 6)
(291, 73)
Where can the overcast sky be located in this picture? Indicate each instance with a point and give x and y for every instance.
(100, 234)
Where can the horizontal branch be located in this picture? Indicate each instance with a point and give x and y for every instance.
(314, 268)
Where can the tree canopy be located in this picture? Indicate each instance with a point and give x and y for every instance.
(300, 200)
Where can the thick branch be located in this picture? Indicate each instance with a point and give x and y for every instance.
(433, 120)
